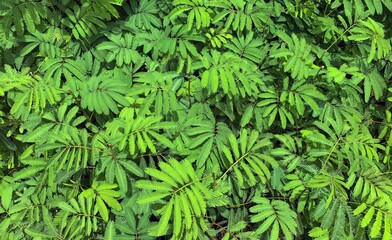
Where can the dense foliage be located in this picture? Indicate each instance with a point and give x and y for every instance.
(195, 119)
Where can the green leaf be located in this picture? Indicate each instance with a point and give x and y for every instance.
(266, 225)
(377, 225)
(151, 185)
(318, 232)
(103, 211)
(177, 216)
(132, 167)
(121, 178)
(26, 172)
(360, 209)
(110, 231)
(387, 225)
(186, 210)
(164, 221)
(275, 231)
(152, 197)
(66, 207)
(6, 197)
(162, 139)
(368, 217)
(161, 176)
(37, 234)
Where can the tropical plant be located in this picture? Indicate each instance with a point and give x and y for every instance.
(195, 119)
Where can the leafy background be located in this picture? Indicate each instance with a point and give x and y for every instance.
(195, 119)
